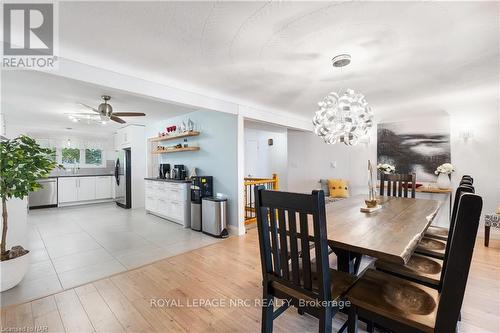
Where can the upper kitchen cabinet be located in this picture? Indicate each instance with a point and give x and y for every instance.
(129, 136)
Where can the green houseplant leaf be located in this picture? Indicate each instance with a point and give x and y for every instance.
(22, 163)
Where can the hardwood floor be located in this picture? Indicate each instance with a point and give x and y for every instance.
(220, 272)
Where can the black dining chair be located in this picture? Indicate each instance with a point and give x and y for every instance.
(441, 233)
(285, 222)
(398, 185)
(421, 268)
(400, 305)
(466, 181)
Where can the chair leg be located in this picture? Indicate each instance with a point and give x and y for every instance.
(325, 321)
(352, 320)
(267, 315)
(486, 236)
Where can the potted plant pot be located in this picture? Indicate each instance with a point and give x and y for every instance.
(13, 271)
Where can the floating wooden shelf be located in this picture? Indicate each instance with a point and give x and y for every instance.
(173, 137)
(175, 150)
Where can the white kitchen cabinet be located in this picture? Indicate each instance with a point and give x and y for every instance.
(66, 189)
(103, 187)
(86, 188)
(169, 200)
(75, 190)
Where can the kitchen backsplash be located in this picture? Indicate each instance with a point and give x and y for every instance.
(108, 169)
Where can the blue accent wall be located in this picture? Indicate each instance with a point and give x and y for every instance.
(217, 156)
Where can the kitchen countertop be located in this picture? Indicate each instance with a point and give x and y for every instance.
(83, 175)
(169, 180)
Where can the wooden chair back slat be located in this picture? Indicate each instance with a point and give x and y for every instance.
(294, 248)
(274, 241)
(398, 185)
(458, 263)
(283, 220)
(306, 251)
(283, 244)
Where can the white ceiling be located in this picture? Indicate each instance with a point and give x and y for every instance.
(412, 57)
(278, 54)
(39, 101)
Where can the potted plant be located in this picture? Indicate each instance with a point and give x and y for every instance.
(22, 163)
(444, 171)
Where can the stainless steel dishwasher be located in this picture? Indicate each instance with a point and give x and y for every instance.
(46, 196)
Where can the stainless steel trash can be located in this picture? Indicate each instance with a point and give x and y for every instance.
(214, 216)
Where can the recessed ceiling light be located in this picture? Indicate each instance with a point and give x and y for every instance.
(103, 122)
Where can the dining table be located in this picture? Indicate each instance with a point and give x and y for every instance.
(390, 233)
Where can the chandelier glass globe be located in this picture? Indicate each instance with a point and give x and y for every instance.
(343, 117)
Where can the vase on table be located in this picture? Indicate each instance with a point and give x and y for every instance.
(443, 181)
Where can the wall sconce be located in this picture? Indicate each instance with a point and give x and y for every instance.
(466, 135)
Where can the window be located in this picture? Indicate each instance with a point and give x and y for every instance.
(93, 156)
(70, 155)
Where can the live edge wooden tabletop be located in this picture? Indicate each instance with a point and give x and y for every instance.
(390, 233)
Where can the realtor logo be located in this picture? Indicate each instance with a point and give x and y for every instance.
(28, 34)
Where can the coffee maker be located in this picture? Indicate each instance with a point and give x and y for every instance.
(164, 171)
(180, 172)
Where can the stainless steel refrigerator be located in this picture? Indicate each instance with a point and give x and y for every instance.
(123, 184)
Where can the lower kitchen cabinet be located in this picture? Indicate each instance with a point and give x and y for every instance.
(74, 190)
(103, 187)
(170, 200)
(86, 188)
(66, 189)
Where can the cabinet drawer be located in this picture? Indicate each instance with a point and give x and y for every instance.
(151, 204)
(177, 210)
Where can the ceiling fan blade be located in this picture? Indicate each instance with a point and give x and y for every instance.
(89, 107)
(81, 114)
(129, 114)
(117, 119)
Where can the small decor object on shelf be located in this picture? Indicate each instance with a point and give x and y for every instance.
(444, 171)
(185, 143)
(386, 168)
(190, 125)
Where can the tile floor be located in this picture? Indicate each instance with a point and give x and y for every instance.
(71, 246)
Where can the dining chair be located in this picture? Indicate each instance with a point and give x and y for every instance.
(466, 181)
(424, 269)
(399, 305)
(441, 233)
(398, 185)
(283, 222)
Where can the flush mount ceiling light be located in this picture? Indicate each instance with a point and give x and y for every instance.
(343, 116)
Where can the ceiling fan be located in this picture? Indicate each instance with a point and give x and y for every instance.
(105, 111)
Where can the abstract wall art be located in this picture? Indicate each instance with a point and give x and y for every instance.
(415, 146)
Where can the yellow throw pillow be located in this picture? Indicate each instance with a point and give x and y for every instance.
(338, 188)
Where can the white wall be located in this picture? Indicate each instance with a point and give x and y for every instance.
(262, 160)
(311, 159)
